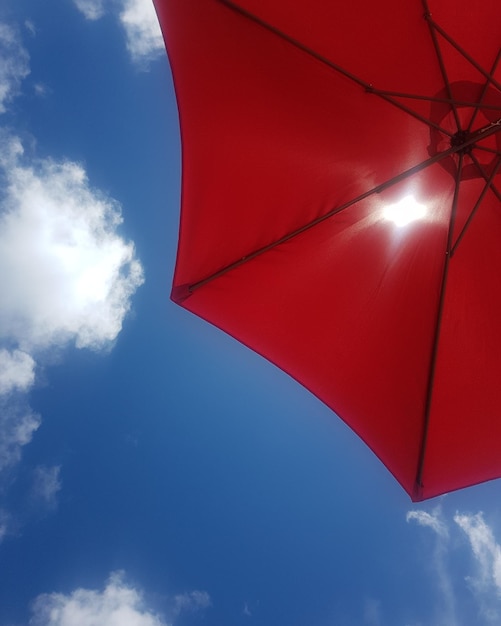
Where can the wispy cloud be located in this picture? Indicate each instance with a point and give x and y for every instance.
(486, 581)
(18, 423)
(30, 27)
(484, 553)
(41, 90)
(14, 64)
(139, 21)
(446, 610)
(372, 612)
(191, 601)
(431, 520)
(4, 524)
(17, 371)
(46, 485)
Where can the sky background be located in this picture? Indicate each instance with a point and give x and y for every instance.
(154, 472)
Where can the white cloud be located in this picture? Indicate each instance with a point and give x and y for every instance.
(14, 64)
(118, 604)
(67, 274)
(139, 20)
(46, 485)
(92, 9)
(485, 580)
(17, 371)
(144, 37)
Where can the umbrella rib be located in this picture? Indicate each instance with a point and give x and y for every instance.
(401, 106)
(486, 149)
(484, 91)
(189, 289)
(440, 58)
(368, 87)
(465, 54)
(276, 31)
(413, 96)
(485, 176)
(487, 186)
(438, 324)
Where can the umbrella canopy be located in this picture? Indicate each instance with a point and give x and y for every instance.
(341, 211)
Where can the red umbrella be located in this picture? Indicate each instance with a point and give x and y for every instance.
(341, 211)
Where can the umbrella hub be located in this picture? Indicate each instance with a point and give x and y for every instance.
(459, 138)
(466, 113)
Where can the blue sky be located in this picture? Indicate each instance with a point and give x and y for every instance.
(154, 472)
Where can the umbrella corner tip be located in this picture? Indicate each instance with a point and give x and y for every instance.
(180, 293)
(417, 493)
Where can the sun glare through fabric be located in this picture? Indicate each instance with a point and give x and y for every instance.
(405, 211)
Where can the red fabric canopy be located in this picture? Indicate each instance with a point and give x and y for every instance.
(294, 145)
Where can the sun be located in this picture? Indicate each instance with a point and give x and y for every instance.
(407, 210)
